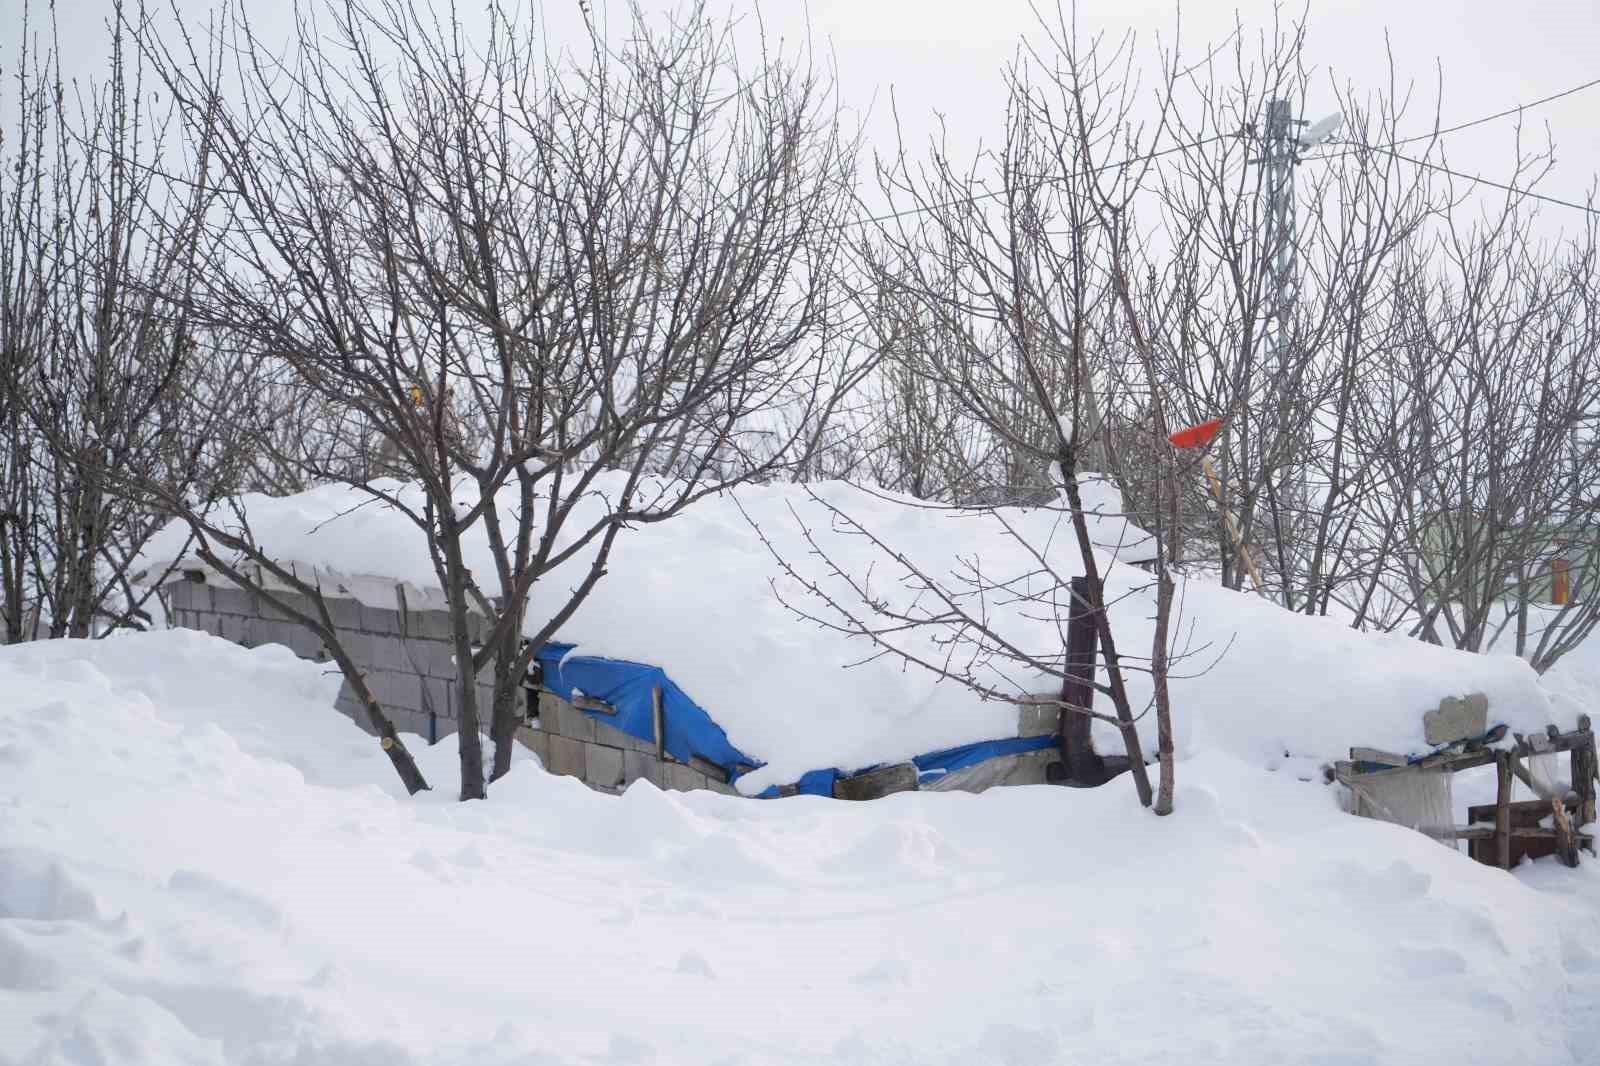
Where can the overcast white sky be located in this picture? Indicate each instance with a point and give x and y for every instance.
(944, 56)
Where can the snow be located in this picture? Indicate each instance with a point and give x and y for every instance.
(695, 596)
(200, 863)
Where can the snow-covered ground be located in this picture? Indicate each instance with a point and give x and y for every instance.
(200, 863)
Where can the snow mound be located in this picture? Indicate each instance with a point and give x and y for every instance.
(703, 597)
(203, 866)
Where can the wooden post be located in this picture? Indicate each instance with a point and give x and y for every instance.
(658, 722)
(1077, 687)
(1502, 810)
(1233, 530)
(1584, 767)
(1566, 841)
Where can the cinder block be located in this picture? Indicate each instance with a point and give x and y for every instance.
(605, 733)
(573, 722)
(379, 619)
(683, 778)
(231, 627)
(397, 690)
(603, 766)
(430, 625)
(536, 741)
(438, 692)
(303, 641)
(637, 765)
(389, 653)
(721, 786)
(346, 611)
(409, 722)
(231, 599)
(290, 599)
(1037, 720)
(358, 646)
(566, 757)
(436, 657)
(346, 700)
(190, 595)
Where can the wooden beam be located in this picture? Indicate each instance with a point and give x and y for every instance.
(658, 722)
(1527, 779)
(592, 703)
(1502, 810)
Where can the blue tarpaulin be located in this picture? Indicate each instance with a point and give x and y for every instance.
(938, 763)
(690, 731)
(627, 687)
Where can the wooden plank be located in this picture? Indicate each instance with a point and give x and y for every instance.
(658, 722)
(1523, 812)
(873, 784)
(1584, 769)
(1377, 755)
(591, 703)
(1451, 762)
(1566, 843)
(1502, 814)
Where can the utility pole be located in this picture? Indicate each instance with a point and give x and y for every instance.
(1281, 148)
(1281, 153)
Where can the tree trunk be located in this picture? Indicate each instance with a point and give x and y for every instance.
(1158, 671)
(468, 722)
(1119, 694)
(1077, 688)
(503, 728)
(393, 746)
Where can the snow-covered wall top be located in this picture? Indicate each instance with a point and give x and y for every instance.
(695, 595)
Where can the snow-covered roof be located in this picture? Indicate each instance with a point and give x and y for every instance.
(695, 594)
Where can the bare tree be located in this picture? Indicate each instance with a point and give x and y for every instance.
(538, 285)
(96, 250)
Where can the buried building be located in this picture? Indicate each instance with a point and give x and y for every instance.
(608, 722)
(699, 661)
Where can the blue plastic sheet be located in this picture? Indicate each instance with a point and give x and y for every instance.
(627, 686)
(938, 763)
(690, 731)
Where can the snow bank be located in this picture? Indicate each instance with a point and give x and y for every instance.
(200, 865)
(695, 595)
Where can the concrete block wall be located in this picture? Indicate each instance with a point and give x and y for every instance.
(576, 744)
(410, 666)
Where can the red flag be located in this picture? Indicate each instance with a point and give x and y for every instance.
(1196, 436)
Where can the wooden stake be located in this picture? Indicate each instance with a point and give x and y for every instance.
(1233, 530)
(1566, 842)
(1502, 810)
(658, 722)
(1584, 767)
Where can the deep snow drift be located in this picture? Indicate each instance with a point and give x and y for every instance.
(201, 863)
(694, 595)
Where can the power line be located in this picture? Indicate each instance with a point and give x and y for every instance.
(1498, 114)
(1586, 208)
(1385, 148)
